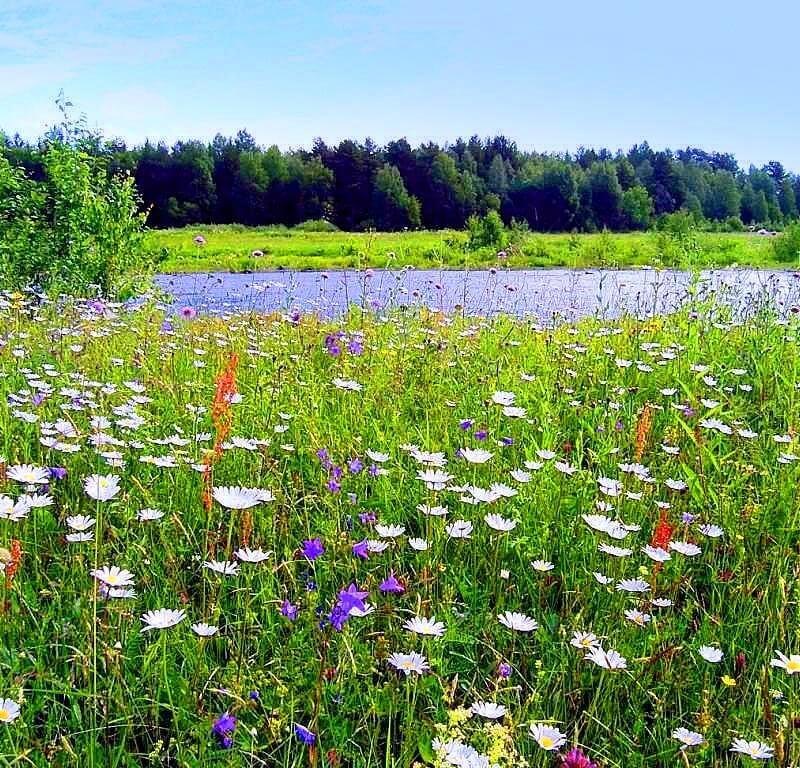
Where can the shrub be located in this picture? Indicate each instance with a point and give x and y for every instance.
(487, 231)
(519, 231)
(23, 241)
(316, 225)
(786, 246)
(602, 249)
(734, 224)
(676, 239)
(681, 223)
(79, 230)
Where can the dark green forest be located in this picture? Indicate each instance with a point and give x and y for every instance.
(361, 185)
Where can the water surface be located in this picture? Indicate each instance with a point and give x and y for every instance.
(540, 293)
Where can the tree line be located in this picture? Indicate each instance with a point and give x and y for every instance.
(361, 185)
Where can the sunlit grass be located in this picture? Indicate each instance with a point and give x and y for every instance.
(94, 690)
(231, 248)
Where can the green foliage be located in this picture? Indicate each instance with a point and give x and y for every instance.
(677, 241)
(316, 225)
(394, 208)
(787, 199)
(603, 250)
(23, 240)
(78, 230)
(94, 690)
(601, 196)
(723, 199)
(235, 180)
(487, 231)
(95, 225)
(680, 224)
(733, 224)
(786, 246)
(545, 194)
(637, 207)
(497, 178)
(228, 248)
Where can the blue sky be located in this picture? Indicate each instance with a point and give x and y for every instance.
(550, 75)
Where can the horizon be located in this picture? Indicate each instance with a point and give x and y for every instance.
(289, 75)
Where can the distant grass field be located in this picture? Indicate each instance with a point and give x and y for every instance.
(230, 249)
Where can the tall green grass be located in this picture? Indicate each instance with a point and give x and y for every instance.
(231, 248)
(95, 691)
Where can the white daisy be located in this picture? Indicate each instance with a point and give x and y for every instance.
(688, 738)
(500, 523)
(476, 455)
(607, 659)
(584, 641)
(460, 529)
(710, 654)
(235, 497)
(755, 749)
(113, 576)
(409, 662)
(9, 711)
(390, 531)
(685, 548)
(247, 555)
(163, 618)
(790, 663)
(222, 567)
(204, 630)
(632, 585)
(547, 737)
(80, 522)
(28, 474)
(519, 622)
(420, 625)
(101, 487)
(488, 709)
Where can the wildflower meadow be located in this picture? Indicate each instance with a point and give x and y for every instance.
(394, 540)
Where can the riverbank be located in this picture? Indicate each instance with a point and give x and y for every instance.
(236, 248)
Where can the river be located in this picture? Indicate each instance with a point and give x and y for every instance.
(544, 294)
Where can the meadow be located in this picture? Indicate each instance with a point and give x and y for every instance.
(234, 248)
(396, 541)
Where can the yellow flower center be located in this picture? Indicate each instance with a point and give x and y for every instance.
(4, 715)
(546, 742)
(793, 665)
(111, 579)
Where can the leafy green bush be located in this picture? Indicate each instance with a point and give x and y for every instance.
(79, 230)
(23, 241)
(316, 225)
(680, 224)
(786, 246)
(676, 239)
(487, 231)
(733, 224)
(603, 249)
